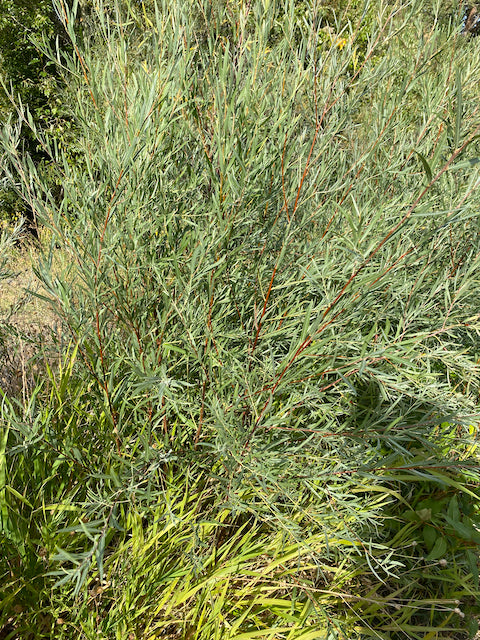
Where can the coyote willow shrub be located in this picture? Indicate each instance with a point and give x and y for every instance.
(271, 289)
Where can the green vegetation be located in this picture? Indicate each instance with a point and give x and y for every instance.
(257, 417)
(29, 77)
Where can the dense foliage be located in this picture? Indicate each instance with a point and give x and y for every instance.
(31, 78)
(259, 417)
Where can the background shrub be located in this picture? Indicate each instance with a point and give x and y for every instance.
(263, 422)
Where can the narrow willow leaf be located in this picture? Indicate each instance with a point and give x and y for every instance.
(458, 108)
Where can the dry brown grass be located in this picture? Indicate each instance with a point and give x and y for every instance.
(27, 324)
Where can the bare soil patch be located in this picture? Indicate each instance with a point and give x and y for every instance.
(27, 324)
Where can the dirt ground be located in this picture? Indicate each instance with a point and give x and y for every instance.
(27, 324)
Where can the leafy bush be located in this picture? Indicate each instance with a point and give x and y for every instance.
(28, 76)
(264, 423)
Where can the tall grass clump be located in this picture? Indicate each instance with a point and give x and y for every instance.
(263, 421)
